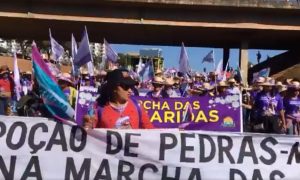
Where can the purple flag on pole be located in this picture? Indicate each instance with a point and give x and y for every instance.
(110, 54)
(83, 55)
(184, 65)
(209, 57)
(74, 46)
(56, 48)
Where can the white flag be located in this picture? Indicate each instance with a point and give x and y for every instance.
(90, 67)
(56, 48)
(140, 66)
(184, 65)
(219, 69)
(18, 87)
(224, 73)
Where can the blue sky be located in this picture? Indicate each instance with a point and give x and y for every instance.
(171, 55)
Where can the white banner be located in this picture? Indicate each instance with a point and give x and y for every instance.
(39, 148)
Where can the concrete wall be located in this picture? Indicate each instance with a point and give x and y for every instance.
(24, 65)
(204, 23)
(241, 3)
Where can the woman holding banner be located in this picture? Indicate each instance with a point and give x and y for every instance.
(115, 108)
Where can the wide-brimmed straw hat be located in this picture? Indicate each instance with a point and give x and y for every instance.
(260, 80)
(246, 87)
(207, 86)
(198, 74)
(294, 85)
(28, 73)
(231, 80)
(289, 81)
(65, 77)
(222, 84)
(195, 91)
(267, 83)
(279, 83)
(158, 80)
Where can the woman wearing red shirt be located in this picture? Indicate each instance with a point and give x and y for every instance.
(115, 108)
(6, 89)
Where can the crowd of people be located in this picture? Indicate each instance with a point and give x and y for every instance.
(269, 106)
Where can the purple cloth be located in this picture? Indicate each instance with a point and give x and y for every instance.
(254, 93)
(83, 55)
(208, 113)
(278, 100)
(263, 101)
(292, 105)
(67, 92)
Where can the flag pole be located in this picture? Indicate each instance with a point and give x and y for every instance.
(90, 65)
(72, 63)
(88, 42)
(214, 59)
(104, 58)
(50, 32)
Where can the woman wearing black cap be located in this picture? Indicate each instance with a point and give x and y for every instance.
(115, 107)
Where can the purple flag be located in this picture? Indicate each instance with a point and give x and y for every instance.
(74, 46)
(209, 57)
(110, 54)
(56, 48)
(83, 55)
(184, 65)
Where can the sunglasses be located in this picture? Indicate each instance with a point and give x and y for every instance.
(125, 87)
